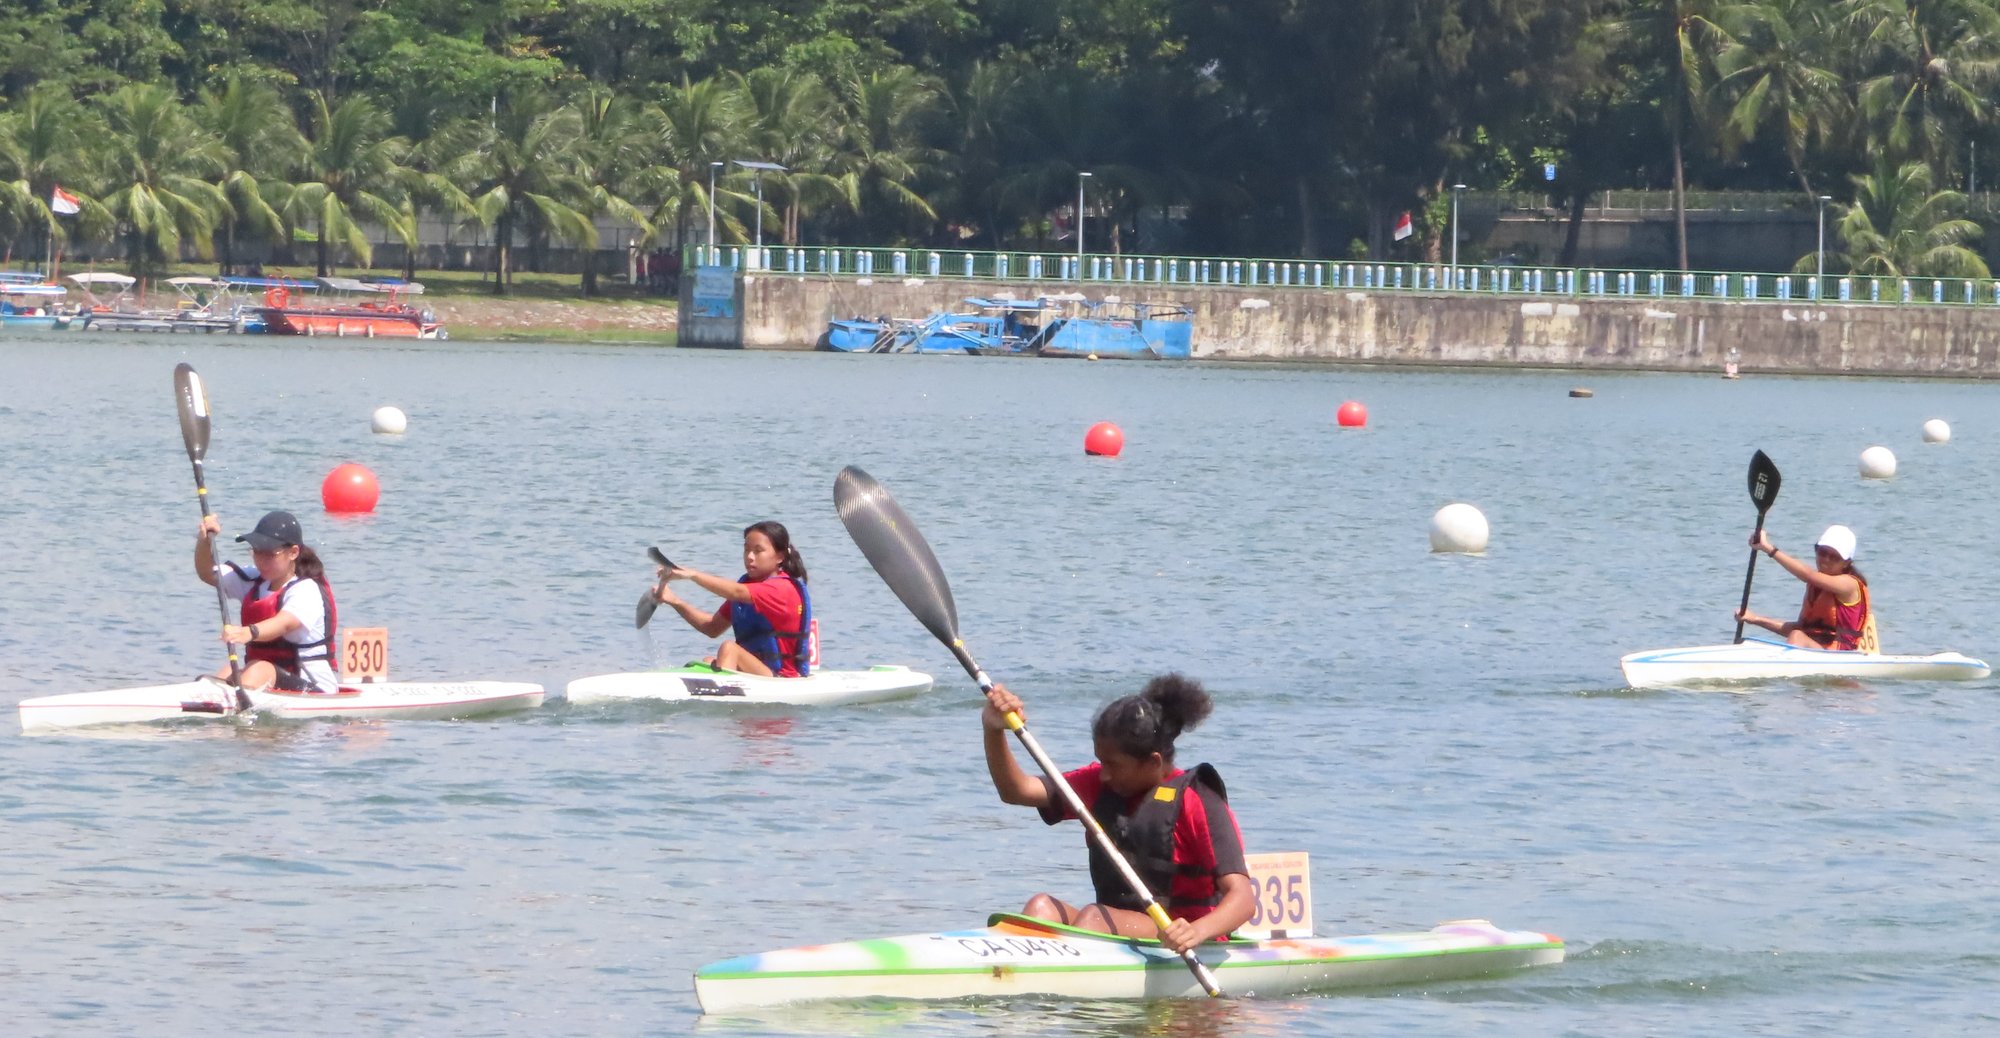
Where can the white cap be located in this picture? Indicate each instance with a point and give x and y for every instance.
(1840, 539)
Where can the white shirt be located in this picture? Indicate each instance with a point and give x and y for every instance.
(304, 602)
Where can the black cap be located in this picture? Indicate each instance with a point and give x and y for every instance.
(276, 530)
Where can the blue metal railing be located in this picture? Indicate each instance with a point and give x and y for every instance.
(1481, 279)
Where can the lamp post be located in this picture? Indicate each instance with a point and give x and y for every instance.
(1455, 189)
(712, 168)
(1819, 273)
(1081, 176)
(757, 170)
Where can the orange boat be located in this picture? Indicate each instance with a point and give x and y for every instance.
(343, 310)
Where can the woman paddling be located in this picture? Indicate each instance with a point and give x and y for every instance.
(768, 608)
(1836, 613)
(1174, 827)
(288, 620)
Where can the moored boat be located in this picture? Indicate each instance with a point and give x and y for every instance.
(28, 303)
(1759, 659)
(700, 683)
(1117, 329)
(383, 315)
(213, 698)
(1015, 956)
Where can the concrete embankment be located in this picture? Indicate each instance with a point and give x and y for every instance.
(790, 311)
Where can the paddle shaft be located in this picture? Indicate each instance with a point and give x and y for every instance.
(194, 436)
(1158, 915)
(1749, 575)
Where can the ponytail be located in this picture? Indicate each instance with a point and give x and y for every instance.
(1149, 722)
(308, 565)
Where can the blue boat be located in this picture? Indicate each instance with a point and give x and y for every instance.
(1048, 326)
(1114, 329)
(27, 303)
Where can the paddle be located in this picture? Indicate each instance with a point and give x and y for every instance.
(651, 601)
(889, 539)
(1763, 491)
(192, 399)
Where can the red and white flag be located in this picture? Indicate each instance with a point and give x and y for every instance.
(1404, 228)
(65, 203)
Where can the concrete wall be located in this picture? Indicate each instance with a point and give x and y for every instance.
(1644, 240)
(788, 311)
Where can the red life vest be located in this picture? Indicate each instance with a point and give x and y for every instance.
(283, 652)
(1829, 622)
(1145, 835)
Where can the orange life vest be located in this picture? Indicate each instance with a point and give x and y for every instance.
(1833, 623)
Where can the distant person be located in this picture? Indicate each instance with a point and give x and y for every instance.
(768, 608)
(289, 621)
(1837, 613)
(1174, 827)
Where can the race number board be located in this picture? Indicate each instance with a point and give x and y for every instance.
(1281, 884)
(364, 654)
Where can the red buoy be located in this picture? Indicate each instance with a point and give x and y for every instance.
(1104, 440)
(1352, 414)
(350, 488)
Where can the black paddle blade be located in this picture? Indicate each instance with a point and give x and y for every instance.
(661, 558)
(647, 604)
(899, 553)
(1764, 481)
(192, 398)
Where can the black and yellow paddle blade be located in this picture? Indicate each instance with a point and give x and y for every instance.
(890, 540)
(192, 398)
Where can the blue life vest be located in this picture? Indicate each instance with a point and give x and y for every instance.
(757, 637)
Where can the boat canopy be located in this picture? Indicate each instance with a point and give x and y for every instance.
(196, 282)
(392, 285)
(1026, 305)
(103, 277)
(44, 291)
(240, 281)
(19, 277)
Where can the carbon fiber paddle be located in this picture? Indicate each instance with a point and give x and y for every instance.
(903, 559)
(1764, 482)
(192, 399)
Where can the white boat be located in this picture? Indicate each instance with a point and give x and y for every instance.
(1759, 659)
(700, 683)
(1014, 956)
(213, 698)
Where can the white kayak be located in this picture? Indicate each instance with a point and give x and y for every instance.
(700, 683)
(1014, 956)
(1759, 659)
(211, 697)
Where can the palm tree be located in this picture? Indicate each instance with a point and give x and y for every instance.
(1932, 67)
(260, 140)
(353, 170)
(882, 149)
(792, 121)
(1677, 40)
(525, 176)
(610, 155)
(42, 146)
(1900, 226)
(155, 167)
(694, 124)
(1772, 67)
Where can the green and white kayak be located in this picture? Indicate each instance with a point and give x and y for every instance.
(1014, 956)
(701, 683)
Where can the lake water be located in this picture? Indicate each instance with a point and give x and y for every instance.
(1448, 736)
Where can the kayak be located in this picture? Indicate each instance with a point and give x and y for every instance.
(211, 697)
(1759, 659)
(1015, 956)
(701, 683)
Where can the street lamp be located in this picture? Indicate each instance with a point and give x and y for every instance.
(1455, 189)
(712, 168)
(1081, 175)
(757, 179)
(1820, 272)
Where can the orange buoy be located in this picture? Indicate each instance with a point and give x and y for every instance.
(1104, 440)
(1352, 414)
(350, 488)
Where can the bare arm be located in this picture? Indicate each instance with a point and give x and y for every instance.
(1014, 785)
(204, 558)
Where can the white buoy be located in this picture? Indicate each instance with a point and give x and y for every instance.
(390, 420)
(1878, 463)
(1458, 527)
(1937, 430)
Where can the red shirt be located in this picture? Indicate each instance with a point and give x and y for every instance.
(776, 598)
(1205, 834)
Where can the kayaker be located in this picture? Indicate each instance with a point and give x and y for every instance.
(1174, 827)
(768, 608)
(1836, 613)
(289, 619)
